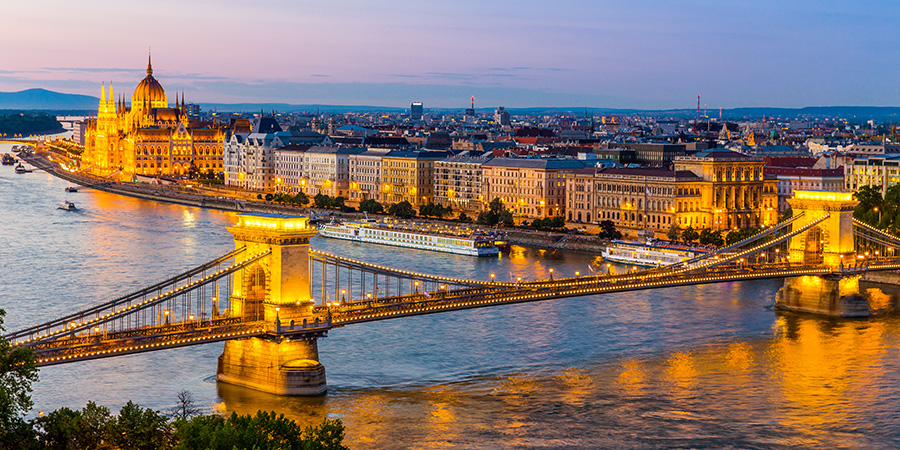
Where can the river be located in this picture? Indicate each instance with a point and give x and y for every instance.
(692, 367)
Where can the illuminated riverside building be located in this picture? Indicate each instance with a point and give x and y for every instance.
(734, 192)
(531, 188)
(716, 189)
(882, 171)
(409, 176)
(458, 182)
(147, 137)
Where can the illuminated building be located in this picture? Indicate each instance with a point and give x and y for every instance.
(409, 176)
(147, 137)
(458, 182)
(532, 188)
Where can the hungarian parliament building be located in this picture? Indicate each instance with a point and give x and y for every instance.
(147, 136)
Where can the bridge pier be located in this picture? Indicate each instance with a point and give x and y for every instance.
(278, 366)
(275, 291)
(827, 296)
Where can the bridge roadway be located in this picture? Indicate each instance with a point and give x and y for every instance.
(74, 347)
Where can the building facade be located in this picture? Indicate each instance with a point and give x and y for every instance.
(409, 176)
(365, 175)
(458, 182)
(326, 170)
(147, 136)
(531, 188)
(881, 171)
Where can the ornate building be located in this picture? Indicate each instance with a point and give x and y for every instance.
(147, 137)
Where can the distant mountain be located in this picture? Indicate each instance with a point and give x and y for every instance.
(43, 99)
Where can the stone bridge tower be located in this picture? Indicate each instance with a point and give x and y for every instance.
(274, 290)
(830, 242)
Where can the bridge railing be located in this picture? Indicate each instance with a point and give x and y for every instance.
(183, 302)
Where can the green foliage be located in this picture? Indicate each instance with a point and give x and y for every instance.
(689, 235)
(403, 210)
(323, 201)
(26, 124)
(371, 206)
(17, 372)
(434, 210)
(550, 223)
(269, 197)
(265, 431)
(870, 205)
(740, 235)
(608, 230)
(496, 214)
(301, 199)
(208, 176)
(786, 214)
(464, 218)
(674, 233)
(709, 237)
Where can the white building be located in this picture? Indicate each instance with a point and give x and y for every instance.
(289, 177)
(326, 170)
(365, 175)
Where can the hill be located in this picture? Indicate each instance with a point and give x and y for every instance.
(42, 99)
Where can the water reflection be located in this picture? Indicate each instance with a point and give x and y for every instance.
(693, 367)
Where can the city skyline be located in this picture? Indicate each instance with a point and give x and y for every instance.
(655, 55)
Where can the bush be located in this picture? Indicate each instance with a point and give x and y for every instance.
(371, 206)
(404, 210)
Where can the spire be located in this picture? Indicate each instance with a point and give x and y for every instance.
(149, 65)
(112, 97)
(102, 95)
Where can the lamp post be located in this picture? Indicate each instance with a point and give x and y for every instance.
(551, 274)
(417, 286)
(492, 277)
(343, 291)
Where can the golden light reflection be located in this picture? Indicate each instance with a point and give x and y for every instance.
(681, 372)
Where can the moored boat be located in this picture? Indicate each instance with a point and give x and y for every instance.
(371, 231)
(71, 189)
(8, 159)
(22, 169)
(649, 253)
(68, 206)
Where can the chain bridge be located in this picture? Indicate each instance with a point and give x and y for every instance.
(272, 297)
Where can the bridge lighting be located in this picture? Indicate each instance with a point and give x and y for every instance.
(551, 274)
(343, 292)
(518, 279)
(577, 273)
(492, 277)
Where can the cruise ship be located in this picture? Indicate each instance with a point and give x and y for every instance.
(369, 230)
(649, 254)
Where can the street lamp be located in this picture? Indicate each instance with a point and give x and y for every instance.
(551, 274)
(166, 313)
(492, 277)
(343, 291)
(577, 273)
(417, 287)
(518, 279)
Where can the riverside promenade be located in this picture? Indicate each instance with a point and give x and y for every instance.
(233, 200)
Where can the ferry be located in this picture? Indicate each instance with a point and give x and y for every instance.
(71, 189)
(649, 253)
(369, 230)
(22, 169)
(68, 206)
(8, 159)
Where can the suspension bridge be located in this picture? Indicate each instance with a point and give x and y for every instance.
(272, 297)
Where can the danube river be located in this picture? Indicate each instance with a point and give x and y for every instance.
(692, 367)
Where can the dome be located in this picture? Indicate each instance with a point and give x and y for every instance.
(149, 91)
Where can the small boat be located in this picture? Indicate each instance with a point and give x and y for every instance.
(68, 206)
(21, 169)
(8, 159)
(71, 189)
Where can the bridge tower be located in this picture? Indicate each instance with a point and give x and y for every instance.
(275, 291)
(828, 243)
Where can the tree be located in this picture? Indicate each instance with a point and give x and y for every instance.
(338, 202)
(140, 429)
(608, 230)
(301, 198)
(496, 213)
(674, 233)
(464, 218)
(322, 201)
(87, 429)
(185, 407)
(870, 204)
(17, 372)
(689, 235)
(404, 210)
(269, 197)
(265, 430)
(371, 206)
(786, 214)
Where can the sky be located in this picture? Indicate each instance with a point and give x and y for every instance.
(643, 54)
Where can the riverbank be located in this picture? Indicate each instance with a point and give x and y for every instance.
(222, 200)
